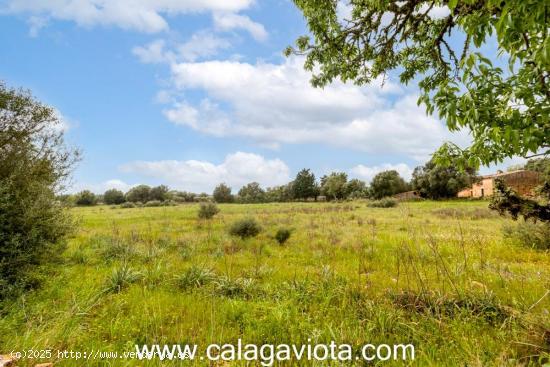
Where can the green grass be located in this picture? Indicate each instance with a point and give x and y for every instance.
(439, 275)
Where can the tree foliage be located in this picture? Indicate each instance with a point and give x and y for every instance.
(387, 183)
(160, 193)
(304, 185)
(139, 193)
(505, 200)
(333, 186)
(252, 193)
(222, 194)
(505, 103)
(435, 181)
(113, 197)
(85, 198)
(34, 164)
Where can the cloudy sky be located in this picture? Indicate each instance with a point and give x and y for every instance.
(191, 93)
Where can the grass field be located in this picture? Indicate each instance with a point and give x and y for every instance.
(439, 275)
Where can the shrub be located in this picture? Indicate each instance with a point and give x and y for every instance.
(529, 234)
(153, 203)
(387, 183)
(208, 210)
(383, 203)
(222, 194)
(138, 194)
(121, 278)
(86, 198)
(195, 277)
(282, 235)
(240, 287)
(245, 228)
(113, 197)
(33, 164)
(128, 205)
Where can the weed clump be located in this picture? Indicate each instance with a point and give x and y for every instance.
(529, 234)
(121, 278)
(282, 235)
(383, 203)
(195, 277)
(245, 228)
(208, 210)
(485, 306)
(239, 287)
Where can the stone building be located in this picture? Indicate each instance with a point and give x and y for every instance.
(522, 181)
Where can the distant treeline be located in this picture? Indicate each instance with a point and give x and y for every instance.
(429, 181)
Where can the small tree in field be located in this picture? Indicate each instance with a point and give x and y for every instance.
(387, 183)
(252, 193)
(333, 186)
(222, 194)
(113, 197)
(304, 186)
(139, 194)
(435, 181)
(86, 198)
(34, 162)
(159, 193)
(208, 210)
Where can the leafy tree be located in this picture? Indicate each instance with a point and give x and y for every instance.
(113, 197)
(160, 193)
(139, 193)
(34, 163)
(252, 193)
(356, 189)
(182, 196)
(280, 193)
(334, 185)
(505, 200)
(222, 194)
(541, 165)
(387, 183)
(436, 181)
(304, 186)
(505, 104)
(86, 198)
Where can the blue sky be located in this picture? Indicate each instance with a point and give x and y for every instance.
(193, 93)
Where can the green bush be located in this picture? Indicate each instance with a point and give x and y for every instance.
(127, 205)
(282, 235)
(153, 203)
(208, 210)
(245, 228)
(113, 197)
(34, 163)
(86, 198)
(529, 234)
(383, 203)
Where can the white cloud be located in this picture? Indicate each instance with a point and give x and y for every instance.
(100, 188)
(236, 170)
(202, 44)
(230, 21)
(140, 15)
(367, 173)
(154, 52)
(275, 104)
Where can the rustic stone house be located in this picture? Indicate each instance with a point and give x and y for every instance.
(522, 181)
